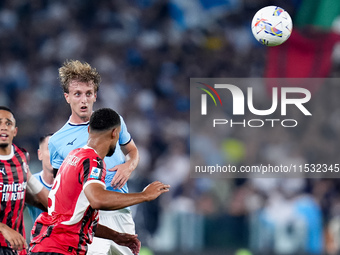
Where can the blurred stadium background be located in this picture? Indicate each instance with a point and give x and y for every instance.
(146, 51)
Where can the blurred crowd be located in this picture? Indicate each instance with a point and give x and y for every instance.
(146, 56)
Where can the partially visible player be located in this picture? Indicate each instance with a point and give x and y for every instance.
(15, 180)
(80, 83)
(45, 176)
(79, 191)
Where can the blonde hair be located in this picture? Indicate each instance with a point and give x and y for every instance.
(76, 70)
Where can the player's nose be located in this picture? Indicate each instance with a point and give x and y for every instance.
(84, 99)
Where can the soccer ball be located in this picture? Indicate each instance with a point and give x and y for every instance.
(271, 26)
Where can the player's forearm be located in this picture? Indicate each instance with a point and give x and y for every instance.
(111, 200)
(131, 155)
(33, 200)
(128, 240)
(132, 159)
(35, 188)
(105, 232)
(42, 197)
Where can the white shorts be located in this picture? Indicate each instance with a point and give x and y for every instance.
(121, 221)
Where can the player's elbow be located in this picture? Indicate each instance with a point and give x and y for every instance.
(96, 204)
(104, 205)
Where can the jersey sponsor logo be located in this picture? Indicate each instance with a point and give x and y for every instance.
(3, 171)
(98, 161)
(95, 172)
(71, 143)
(72, 160)
(12, 192)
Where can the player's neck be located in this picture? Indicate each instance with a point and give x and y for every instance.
(4, 151)
(74, 118)
(98, 145)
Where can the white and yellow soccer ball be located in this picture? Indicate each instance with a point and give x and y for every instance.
(271, 26)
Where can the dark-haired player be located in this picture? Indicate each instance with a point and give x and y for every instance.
(15, 180)
(79, 191)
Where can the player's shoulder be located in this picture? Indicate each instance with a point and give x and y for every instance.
(21, 151)
(84, 153)
(83, 157)
(68, 130)
(57, 134)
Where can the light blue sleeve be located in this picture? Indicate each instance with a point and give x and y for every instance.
(55, 158)
(124, 135)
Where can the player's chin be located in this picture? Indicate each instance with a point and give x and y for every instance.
(84, 113)
(4, 144)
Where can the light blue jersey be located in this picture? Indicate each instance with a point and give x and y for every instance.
(72, 136)
(33, 211)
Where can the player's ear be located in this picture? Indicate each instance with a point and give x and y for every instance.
(66, 98)
(39, 154)
(114, 132)
(15, 132)
(95, 97)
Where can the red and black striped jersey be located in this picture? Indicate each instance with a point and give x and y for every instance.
(70, 223)
(13, 182)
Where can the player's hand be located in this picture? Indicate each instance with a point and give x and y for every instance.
(154, 190)
(130, 241)
(16, 241)
(122, 175)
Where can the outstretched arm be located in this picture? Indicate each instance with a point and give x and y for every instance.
(130, 241)
(102, 199)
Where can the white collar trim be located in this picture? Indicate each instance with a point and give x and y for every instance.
(88, 147)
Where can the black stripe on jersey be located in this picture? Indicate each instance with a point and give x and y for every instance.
(2, 210)
(86, 168)
(3, 203)
(21, 203)
(100, 165)
(37, 230)
(99, 162)
(9, 221)
(85, 224)
(10, 214)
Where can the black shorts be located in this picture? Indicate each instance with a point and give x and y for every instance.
(7, 251)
